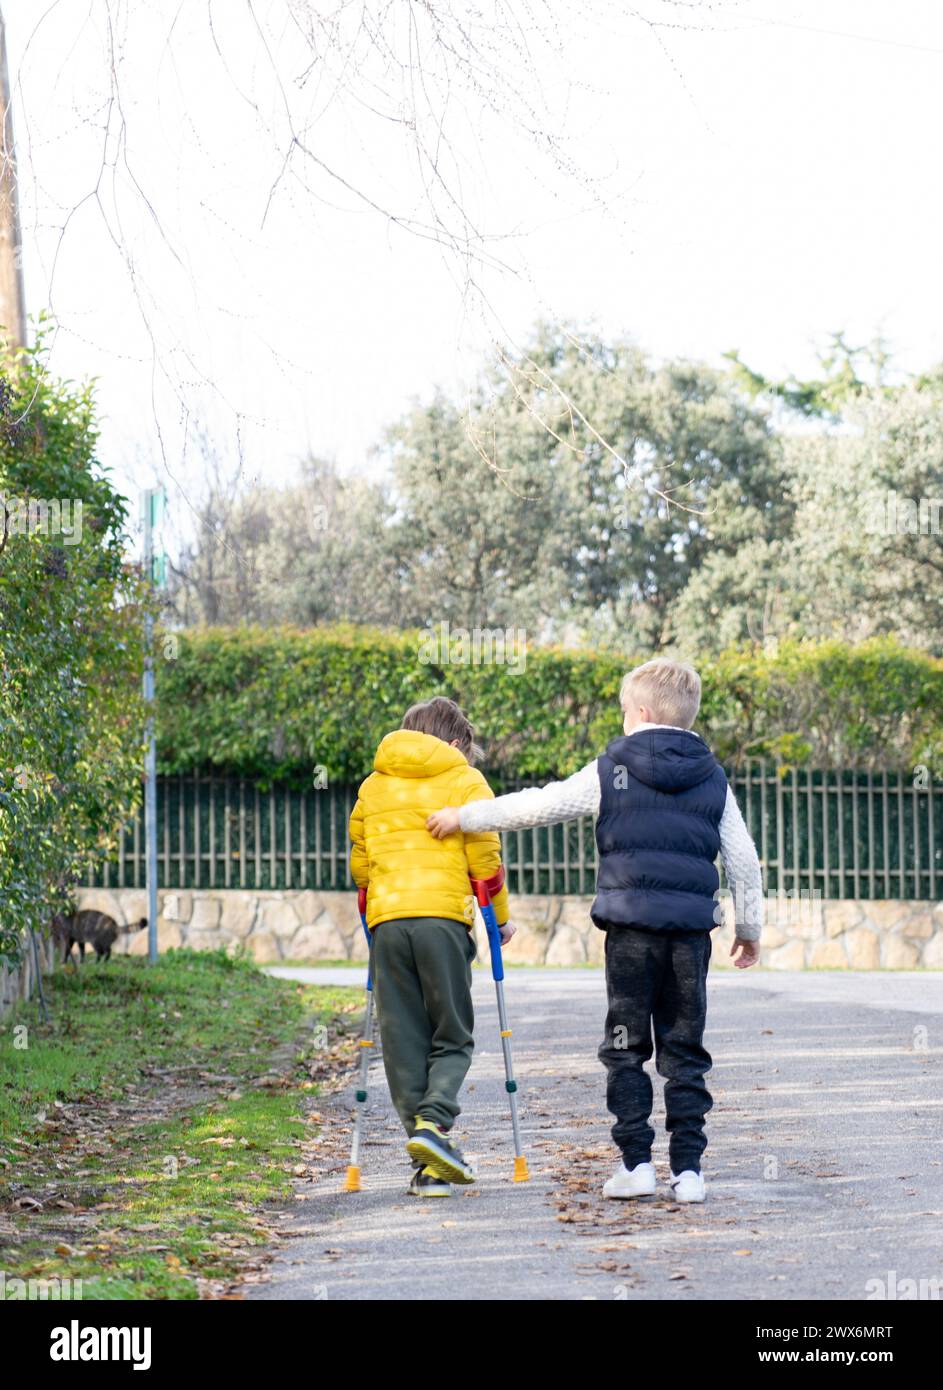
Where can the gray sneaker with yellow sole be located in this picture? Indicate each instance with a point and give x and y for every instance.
(432, 1147)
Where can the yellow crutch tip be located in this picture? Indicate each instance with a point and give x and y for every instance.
(352, 1184)
(520, 1169)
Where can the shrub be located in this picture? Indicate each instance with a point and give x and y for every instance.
(272, 704)
(70, 649)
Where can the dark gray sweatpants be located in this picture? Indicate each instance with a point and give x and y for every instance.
(422, 985)
(657, 984)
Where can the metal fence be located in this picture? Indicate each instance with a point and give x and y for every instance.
(844, 834)
(838, 834)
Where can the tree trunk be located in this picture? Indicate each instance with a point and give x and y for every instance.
(12, 300)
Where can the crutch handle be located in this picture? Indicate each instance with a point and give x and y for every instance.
(483, 888)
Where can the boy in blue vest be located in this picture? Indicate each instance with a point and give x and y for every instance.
(664, 812)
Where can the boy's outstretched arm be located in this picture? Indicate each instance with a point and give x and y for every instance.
(745, 881)
(557, 801)
(483, 853)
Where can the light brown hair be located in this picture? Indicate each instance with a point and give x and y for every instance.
(443, 718)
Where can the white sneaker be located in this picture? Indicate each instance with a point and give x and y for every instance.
(688, 1186)
(639, 1182)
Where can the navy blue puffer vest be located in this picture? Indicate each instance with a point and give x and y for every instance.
(661, 797)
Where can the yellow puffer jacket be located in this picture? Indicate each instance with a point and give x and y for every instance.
(406, 871)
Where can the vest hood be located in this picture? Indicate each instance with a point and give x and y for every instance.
(409, 753)
(669, 760)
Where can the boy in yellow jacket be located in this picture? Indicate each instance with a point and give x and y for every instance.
(420, 911)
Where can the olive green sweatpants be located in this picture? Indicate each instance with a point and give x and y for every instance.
(422, 986)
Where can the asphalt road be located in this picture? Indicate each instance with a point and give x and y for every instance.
(824, 1168)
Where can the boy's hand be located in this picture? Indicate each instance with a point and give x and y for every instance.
(749, 953)
(506, 932)
(444, 822)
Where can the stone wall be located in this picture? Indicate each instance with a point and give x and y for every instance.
(19, 982)
(308, 925)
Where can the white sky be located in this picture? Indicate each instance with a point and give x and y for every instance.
(756, 181)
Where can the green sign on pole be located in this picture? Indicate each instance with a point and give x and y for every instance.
(155, 562)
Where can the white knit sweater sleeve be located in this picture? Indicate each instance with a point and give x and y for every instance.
(579, 796)
(557, 801)
(741, 870)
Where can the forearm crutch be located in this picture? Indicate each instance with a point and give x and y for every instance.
(352, 1183)
(481, 888)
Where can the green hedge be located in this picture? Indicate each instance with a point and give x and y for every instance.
(71, 715)
(273, 704)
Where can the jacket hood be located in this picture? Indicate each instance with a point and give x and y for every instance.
(408, 753)
(670, 760)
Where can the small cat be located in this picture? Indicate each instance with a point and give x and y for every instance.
(89, 928)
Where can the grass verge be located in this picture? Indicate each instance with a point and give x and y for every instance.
(150, 1132)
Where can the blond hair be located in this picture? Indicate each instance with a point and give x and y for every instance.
(670, 690)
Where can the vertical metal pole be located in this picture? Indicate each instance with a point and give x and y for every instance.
(872, 892)
(483, 898)
(181, 833)
(303, 836)
(886, 827)
(901, 859)
(348, 812)
(796, 863)
(810, 826)
(780, 836)
(826, 847)
(566, 856)
(856, 833)
(150, 759)
(352, 1182)
(38, 967)
(242, 834)
(272, 850)
(840, 816)
(227, 832)
(931, 838)
(286, 818)
(197, 831)
(212, 828)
